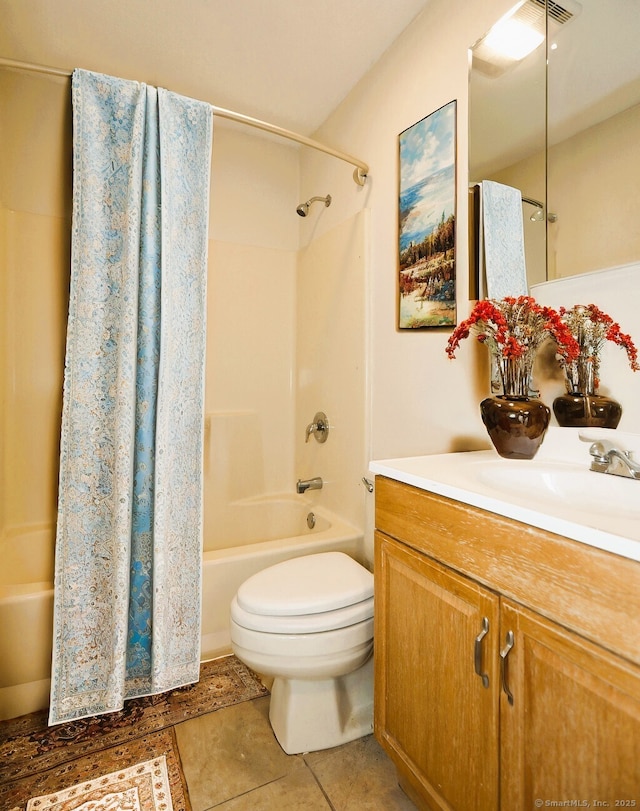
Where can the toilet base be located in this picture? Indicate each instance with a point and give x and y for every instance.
(309, 715)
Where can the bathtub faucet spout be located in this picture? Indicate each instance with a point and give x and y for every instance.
(303, 485)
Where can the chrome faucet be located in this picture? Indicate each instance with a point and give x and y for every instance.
(319, 428)
(303, 485)
(608, 458)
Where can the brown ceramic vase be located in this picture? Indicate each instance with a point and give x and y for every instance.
(516, 424)
(576, 410)
(582, 405)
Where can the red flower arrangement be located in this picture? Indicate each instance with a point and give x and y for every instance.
(514, 326)
(513, 329)
(591, 327)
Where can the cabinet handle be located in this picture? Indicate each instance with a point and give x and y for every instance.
(477, 652)
(509, 642)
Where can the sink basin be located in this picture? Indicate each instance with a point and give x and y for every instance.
(556, 491)
(568, 485)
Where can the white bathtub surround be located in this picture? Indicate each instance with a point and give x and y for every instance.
(308, 622)
(129, 534)
(331, 330)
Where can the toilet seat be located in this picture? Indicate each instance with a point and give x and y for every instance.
(315, 648)
(312, 584)
(303, 623)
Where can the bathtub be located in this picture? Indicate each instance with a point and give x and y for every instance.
(264, 531)
(252, 534)
(26, 619)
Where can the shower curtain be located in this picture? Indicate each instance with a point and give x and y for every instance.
(129, 531)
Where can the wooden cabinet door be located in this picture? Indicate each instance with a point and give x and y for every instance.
(572, 732)
(434, 716)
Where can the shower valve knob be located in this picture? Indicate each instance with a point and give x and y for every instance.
(319, 428)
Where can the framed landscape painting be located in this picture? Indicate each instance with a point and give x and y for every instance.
(427, 207)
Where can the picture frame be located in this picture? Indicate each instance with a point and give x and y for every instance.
(426, 290)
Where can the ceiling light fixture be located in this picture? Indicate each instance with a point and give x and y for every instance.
(513, 39)
(519, 33)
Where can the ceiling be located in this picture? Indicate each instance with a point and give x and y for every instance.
(289, 62)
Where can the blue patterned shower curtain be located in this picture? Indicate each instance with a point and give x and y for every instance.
(129, 533)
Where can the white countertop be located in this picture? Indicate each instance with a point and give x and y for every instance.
(555, 491)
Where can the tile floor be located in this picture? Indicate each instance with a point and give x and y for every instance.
(232, 761)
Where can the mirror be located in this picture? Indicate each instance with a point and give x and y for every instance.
(593, 162)
(567, 135)
(507, 135)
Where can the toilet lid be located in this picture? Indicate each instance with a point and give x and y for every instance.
(306, 585)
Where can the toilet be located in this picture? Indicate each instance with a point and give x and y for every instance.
(308, 622)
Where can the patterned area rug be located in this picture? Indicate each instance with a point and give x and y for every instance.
(32, 754)
(142, 787)
(15, 795)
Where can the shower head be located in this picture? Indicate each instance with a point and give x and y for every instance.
(303, 208)
(538, 215)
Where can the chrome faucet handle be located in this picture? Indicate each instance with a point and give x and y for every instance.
(612, 451)
(608, 458)
(319, 428)
(612, 438)
(600, 449)
(600, 459)
(604, 450)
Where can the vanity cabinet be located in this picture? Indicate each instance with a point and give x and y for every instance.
(432, 713)
(507, 659)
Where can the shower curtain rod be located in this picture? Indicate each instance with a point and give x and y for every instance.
(359, 174)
